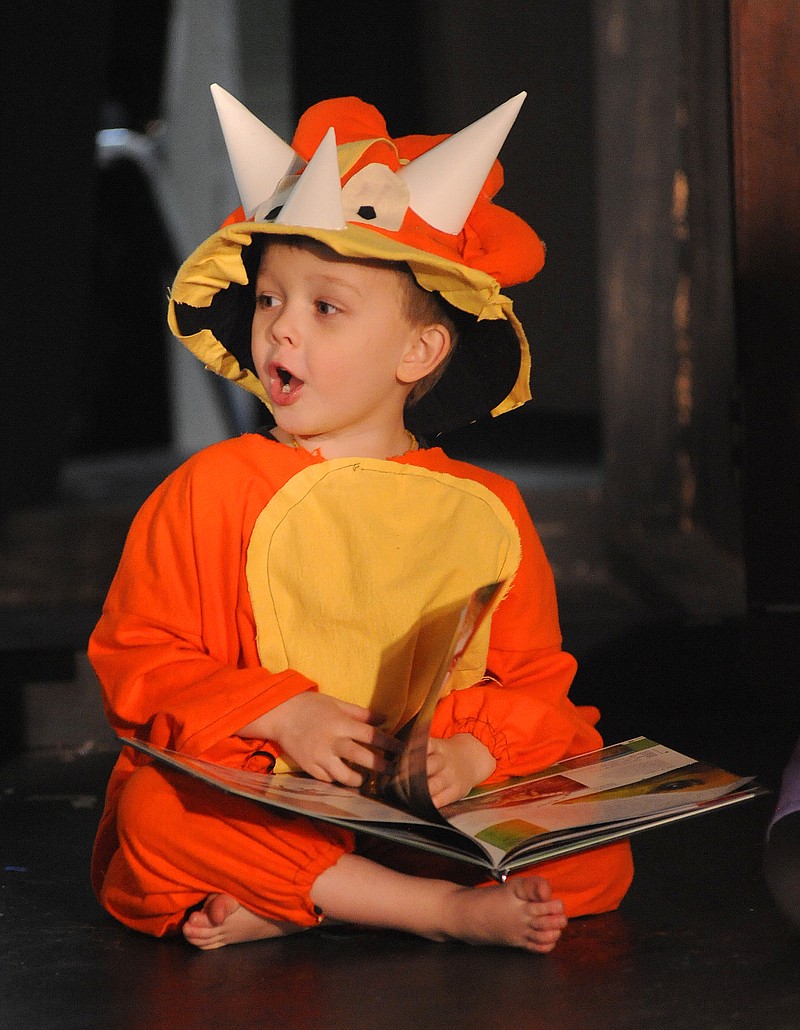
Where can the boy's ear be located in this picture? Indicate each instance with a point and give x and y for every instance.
(428, 350)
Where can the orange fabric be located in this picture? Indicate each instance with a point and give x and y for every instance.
(180, 840)
(352, 118)
(175, 650)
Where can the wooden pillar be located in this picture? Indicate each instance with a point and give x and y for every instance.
(667, 346)
(765, 93)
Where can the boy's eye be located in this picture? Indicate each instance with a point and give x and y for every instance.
(266, 300)
(326, 308)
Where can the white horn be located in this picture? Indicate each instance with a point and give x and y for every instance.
(316, 200)
(444, 182)
(259, 158)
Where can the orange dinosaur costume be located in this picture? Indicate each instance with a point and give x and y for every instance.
(257, 571)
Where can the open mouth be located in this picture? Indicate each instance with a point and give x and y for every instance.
(285, 382)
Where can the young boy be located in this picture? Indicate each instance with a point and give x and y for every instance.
(265, 611)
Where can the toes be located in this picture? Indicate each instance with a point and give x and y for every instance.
(200, 937)
(543, 940)
(543, 890)
(219, 907)
(198, 921)
(534, 890)
(202, 927)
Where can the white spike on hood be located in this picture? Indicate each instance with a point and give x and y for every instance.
(316, 200)
(259, 158)
(445, 181)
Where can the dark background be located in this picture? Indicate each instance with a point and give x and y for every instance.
(657, 156)
(83, 271)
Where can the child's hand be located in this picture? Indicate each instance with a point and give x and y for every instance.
(326, 738)
(455, 766)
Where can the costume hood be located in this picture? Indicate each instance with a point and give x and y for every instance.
(422, 200)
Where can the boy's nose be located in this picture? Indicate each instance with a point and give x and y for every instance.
(283, 327)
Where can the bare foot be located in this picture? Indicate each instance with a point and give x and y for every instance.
(521, 913)
(222, 920)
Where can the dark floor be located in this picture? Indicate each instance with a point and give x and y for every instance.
(697, 943)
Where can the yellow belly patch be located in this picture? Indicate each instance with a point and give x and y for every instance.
(355, 567)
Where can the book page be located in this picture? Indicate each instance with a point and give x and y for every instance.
(293, 792)
(631, 782)
(456, 626)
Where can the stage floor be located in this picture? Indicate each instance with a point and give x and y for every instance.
(696, 944)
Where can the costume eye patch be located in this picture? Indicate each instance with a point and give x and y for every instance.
(377, 196)
(271, 208)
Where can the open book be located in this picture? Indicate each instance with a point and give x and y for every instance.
(578, 803)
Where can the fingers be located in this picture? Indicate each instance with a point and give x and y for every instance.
(435, 768)
(334, 741)
(347, 776)
(369, 760)
(441, 797)
(538, 893)
(359, 713)
(370, 742)
(349, 761)
(443, 789)
(441, 785)
(367, 732)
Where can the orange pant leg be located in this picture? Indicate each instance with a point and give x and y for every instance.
(181, 840)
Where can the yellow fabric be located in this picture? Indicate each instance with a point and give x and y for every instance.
(324, 551)
(218, 262)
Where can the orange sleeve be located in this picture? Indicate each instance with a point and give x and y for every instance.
(522, 711)
(175, 646)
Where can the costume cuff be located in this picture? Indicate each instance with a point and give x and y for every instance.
(492, 739)
(279, 689)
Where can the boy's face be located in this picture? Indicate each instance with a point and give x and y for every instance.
(328, 339)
